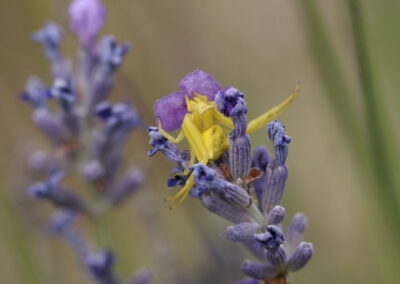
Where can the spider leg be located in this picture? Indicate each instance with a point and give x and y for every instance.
(219, 117)
(169, 136)
(189, 184)
(270, 115)
(186, 188)
(193, 135)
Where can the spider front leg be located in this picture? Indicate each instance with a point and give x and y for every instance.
(270, 115)
(169, 136)
(198, 151)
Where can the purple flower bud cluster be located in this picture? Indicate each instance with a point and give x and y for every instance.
(243, 188)
(87, 135)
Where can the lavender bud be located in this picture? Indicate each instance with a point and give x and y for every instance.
(100, 266)
(241, 232)
(239, 156)
(214, 203)
(36, 93)
(62, 90)
(277, 258)
(42, 161)
(248, 281)
(110, 53)
(57, 196)
(87, 18)
(276, 176)
(260, 160)
(126, 186)
(50, 190)
(207, 178)
(257, 270)
(50, 126)
(93, 171)
(300, 257)
(271, 239)
(295, 230)
(50, 36)
(276, 132)
(231, 103)
(276, 215)
(160, 143)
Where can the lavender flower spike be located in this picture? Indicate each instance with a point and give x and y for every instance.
(231, 103)
(87, 18)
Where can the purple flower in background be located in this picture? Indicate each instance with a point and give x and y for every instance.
(87, 135)
(87, 18)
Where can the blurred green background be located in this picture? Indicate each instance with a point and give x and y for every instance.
(343, 158)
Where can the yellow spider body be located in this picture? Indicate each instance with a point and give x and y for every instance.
(207, 138)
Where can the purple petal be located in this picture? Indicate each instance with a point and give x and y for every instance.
(171, 110)
(87, 18)
(200, 82)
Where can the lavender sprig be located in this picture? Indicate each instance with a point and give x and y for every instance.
(225, 183)
(87, 135)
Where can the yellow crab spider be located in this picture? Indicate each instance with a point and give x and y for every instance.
(205, 135)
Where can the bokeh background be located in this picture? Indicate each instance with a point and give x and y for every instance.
(343, 159)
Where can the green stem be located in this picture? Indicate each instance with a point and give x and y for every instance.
(379, 143)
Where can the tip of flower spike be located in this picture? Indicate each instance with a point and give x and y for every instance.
(87, 18)
(230, 102)
(277, 134)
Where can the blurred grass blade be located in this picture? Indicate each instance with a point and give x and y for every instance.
(378, 125)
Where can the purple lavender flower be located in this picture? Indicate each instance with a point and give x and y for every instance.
(87, 134)
(87, 18)
(219, 171)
